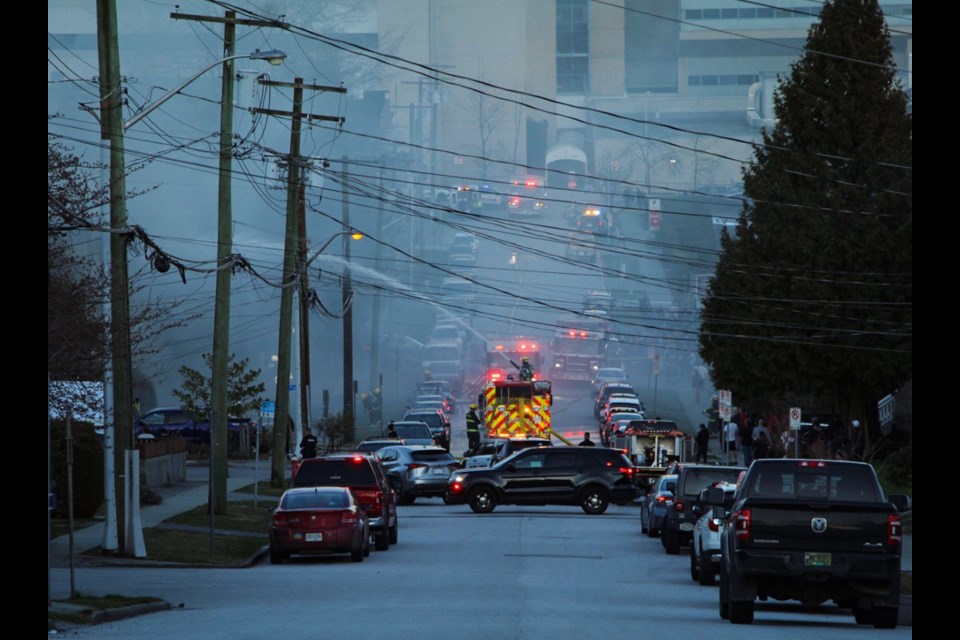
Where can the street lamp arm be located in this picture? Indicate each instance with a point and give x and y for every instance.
(352, 232)
(274, 57)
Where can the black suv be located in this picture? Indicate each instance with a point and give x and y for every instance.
(368, 482)
(589, 477)
(677, 529)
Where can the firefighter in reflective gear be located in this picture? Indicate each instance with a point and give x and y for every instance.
(473, 427)
(526, 369)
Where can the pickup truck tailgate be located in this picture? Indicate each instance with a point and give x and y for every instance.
(813, 526)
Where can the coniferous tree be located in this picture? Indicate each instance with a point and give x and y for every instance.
(812, 295)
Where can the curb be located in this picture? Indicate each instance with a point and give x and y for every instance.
(121, 613)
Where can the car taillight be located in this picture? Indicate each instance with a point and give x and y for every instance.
(678, 504)
(742, 520)
(714, 524)
(348, 517)
(279, 520)
(416, 465)
(627, 471)
(894, 530)
(662, 499)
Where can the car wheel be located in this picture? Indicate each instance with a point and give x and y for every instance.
(694, 565)
(482, 500)
(276, 556)
(381, 540)
(356, 554)
(707, 576)
(863, 616)
(724, 595)
(366, 546)
(671, 542)
(393, 532)
(741, 611)
(594, 500)
(884, 617)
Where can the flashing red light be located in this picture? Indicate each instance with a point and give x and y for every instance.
(357, 459)
(572, 333)
(531, 183)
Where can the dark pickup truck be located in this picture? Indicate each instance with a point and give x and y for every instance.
(811, 530)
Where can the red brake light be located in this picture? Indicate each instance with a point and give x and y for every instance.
(894, 529)
(742, 519)
(662, 499)
(356, 459)
(678, 504)
(816, 464)
(627, 471)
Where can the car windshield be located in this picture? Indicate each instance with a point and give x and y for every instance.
(433, 455)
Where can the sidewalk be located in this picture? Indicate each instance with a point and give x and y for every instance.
(177, 498)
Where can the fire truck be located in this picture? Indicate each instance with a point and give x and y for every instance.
(503, 352)
(515, 408)
(579, 346)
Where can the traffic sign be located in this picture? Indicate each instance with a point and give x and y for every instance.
(654, 214)
(725, 410)
(268, 408)
(656, 364)
(795, 418)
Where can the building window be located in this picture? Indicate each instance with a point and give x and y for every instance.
(573, 47)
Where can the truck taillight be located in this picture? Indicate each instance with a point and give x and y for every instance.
(714, 524)
(894, 530)
(678, 504)
(742, 520)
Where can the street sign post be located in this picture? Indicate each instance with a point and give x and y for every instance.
(725, 404)
(795, 418)
(654, 214)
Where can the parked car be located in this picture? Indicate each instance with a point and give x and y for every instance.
(365, 477)
(417, 471)
(607, 374)
(655, 504)
(591, 477)
(319, 520)
(617, 420)
(441, 387)
(678, 524)
(437, 422)
(374, 443)
(705, 546)
(620, 402)
(606, 390)
(412, 430)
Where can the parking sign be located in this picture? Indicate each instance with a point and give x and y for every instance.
(795, 418)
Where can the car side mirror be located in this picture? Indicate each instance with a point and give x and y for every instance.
(697, 510)
(903, 503)
(714, 496)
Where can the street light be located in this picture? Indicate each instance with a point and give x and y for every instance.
(221, 314)
(305, 417)
(272, 56)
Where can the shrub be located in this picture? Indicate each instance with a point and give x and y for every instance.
(87, 469)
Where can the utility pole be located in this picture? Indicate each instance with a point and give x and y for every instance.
(111, 123)
(375, 329)
(303, 306)
(347, 295)
(290, 267)
(219, 369)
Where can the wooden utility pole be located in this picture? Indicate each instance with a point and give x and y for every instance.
(219, 369)
(291, 269)
(111, 123)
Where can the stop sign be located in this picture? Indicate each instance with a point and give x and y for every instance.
(572, 184)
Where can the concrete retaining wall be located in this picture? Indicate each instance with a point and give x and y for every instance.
(162, 471)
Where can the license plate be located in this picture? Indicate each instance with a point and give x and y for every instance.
(440, 471)
(686, 526)
(816, 559)
(314, 537)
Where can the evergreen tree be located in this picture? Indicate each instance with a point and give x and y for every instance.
(812, 295)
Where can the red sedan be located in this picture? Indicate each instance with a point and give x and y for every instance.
(319, 520)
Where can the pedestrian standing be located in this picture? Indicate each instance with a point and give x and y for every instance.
(745, 433)
(702, 443)
(586, 442)
(730, 437)
(473, 427)
(308, 444)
